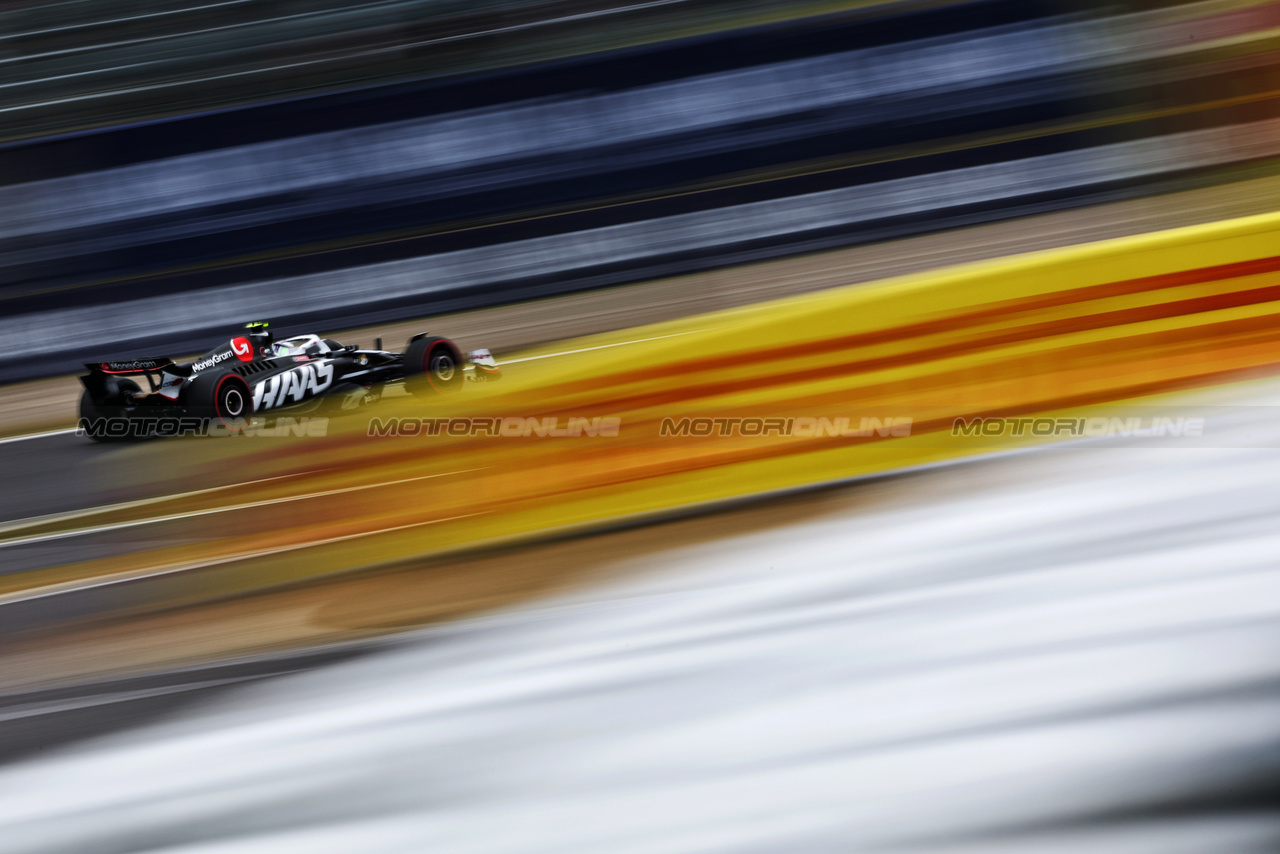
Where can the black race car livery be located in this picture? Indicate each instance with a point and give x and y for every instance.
(253, 374)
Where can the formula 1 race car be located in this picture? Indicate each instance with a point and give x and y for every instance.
(254, 374)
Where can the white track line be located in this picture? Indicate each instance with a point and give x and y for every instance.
(116, 526)
(31, 710)
(601, 347)
(27, 436)
(133, 575)
(53, 518)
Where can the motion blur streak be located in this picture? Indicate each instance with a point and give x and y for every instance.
(1043, 333)
(479, 140)
(495, 267)
(923, 627)
(92, 61)
(779, 129)
(1071, 652)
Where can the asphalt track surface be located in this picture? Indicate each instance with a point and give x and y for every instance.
(63, 473)
(1069, 649)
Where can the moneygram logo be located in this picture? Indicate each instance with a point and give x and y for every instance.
(240, 348)
(212, 360)
(136, 365)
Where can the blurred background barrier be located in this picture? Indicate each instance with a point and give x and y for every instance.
(86, 63)
(1061, 333)
(456, 189)
(592, 257)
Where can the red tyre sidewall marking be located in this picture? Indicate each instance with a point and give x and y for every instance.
(217, 391)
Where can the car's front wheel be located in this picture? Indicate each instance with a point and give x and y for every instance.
(433, 367)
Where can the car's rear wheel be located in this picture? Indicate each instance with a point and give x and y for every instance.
(433, 367)
(222, 398)
(108, 422)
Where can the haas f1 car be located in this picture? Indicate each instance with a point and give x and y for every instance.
(253, 374)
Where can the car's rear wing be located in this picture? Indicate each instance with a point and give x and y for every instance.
(130, 366)
(101, 379)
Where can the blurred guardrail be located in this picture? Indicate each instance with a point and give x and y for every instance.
(592, 257)
(653, 163)
(818, 389)
(579, 135)
(65, 66)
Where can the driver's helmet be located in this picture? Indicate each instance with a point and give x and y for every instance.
(300, 345)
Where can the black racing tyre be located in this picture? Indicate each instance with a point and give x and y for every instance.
(433, 367)
(223, 398)
(93, 415)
